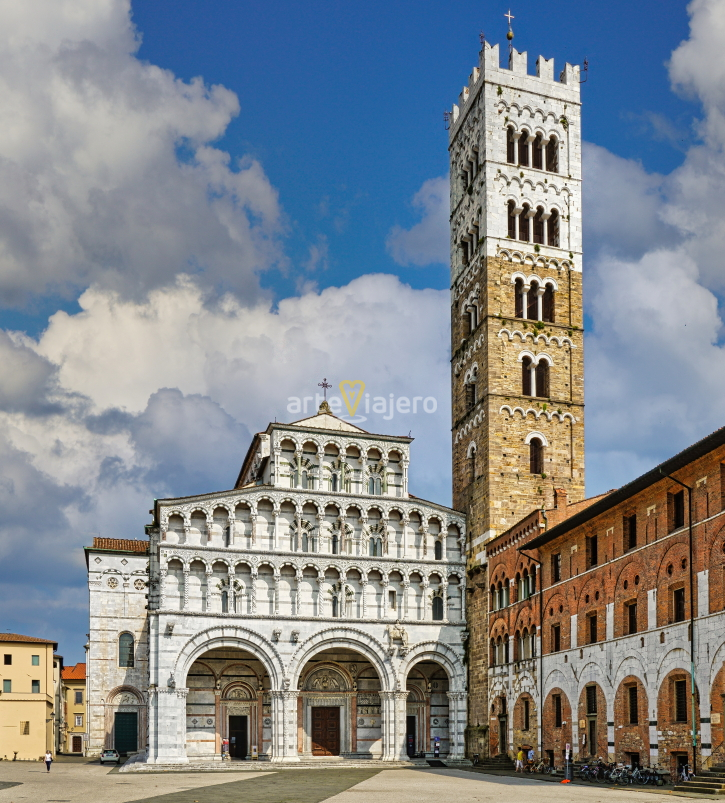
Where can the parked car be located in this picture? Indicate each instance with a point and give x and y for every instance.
(110, 757)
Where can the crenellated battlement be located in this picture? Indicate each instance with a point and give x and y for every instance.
(490, 69)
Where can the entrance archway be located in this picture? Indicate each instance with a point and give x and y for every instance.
(427, 709)
(228, 699)
(339, 707)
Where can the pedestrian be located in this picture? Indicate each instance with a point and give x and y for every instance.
(520, 761)
(531, 756)
(48, 759)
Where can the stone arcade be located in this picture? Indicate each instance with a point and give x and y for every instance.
(315, 610)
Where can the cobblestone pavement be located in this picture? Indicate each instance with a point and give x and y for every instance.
(90, 783)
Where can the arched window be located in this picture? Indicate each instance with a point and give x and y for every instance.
(525, 224)
(494, 598)
(304, 480)
(506, 649)
(548, 305)
(512, 219)
(334, 607)
(526, 376)
(537, 156)
(334, 543)
(532, 581)
(510, 146)
(376, 547)
(333, 483)
(305, 541)
(542, 378)
(539, 225)
(125, 650)
(505, 594)
(536, 456)
(520, 295)
(438, 551)
(437, 608)
(296, 478)
(524, 148)
(532, 304)
(552, 234)
(472, 465)
(225, 602)
(552, 155)
(493, 653)
(228, 535)
(371, 486)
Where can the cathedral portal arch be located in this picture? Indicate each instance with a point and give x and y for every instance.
(229, 636)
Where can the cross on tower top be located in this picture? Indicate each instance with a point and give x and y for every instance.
(509, 17)
(324, 385)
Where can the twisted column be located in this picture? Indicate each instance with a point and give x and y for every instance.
(185, 603)
(253, 590)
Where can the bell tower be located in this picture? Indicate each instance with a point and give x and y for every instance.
(517, 334)
(516, 292)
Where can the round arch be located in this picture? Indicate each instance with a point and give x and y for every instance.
(229, 636)
(442, 654)
(347, 637)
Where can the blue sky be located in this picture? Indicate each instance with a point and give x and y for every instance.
(198, 220)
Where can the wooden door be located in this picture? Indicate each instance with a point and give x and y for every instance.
(325, 731)
(77, 744)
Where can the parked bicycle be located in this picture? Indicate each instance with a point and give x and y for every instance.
(684, 774)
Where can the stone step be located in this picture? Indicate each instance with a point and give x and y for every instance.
(701, 787)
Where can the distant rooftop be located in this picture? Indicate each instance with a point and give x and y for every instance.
(121, 545)
(18, 639)
(77, 672)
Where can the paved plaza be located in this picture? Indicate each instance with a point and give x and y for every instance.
(91, 783)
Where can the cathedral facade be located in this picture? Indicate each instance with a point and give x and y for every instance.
(317, 609)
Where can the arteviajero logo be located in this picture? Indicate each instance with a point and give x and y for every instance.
(354, 404)
(352, 393)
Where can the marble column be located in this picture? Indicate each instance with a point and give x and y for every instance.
(253, 590)
(185, 602)
(284, 726)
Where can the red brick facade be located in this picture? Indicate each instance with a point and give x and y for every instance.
(613, 619)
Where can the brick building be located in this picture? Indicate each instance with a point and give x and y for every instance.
(601, 609)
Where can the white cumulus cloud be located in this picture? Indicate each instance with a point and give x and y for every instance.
(108, 174)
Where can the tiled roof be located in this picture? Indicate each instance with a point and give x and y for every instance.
(77, 672)
(121, 545)
(25, 639)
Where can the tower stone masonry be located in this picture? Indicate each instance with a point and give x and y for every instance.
(517, 368)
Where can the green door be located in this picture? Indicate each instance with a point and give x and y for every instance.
(126, 732)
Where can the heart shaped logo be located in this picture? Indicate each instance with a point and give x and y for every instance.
(351, 394)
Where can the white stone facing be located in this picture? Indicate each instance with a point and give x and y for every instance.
(495, 99)
(118, 588)
(271, 600)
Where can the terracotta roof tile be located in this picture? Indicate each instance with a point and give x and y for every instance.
(77, 672)
(25, 639)
(121, 545)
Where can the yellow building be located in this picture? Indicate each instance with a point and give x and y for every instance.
(28, 678)
(73, 692)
